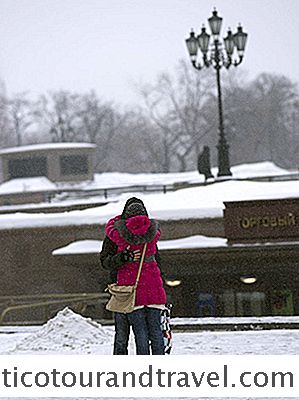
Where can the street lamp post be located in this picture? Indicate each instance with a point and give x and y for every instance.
(215, 56)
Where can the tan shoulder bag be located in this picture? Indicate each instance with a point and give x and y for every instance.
(123, 297)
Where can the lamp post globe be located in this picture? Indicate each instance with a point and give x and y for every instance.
(218, 54)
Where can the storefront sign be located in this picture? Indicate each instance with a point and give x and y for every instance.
(262, 220)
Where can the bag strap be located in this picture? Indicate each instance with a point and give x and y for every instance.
(140, 265)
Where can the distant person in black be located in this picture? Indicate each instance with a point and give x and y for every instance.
(203, 163)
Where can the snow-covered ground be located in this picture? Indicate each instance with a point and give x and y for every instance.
(243, 171)
(70, 333)
(110, 180)
(203, 202)
(27, 185)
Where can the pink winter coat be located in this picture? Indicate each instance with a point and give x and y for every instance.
(134, 232)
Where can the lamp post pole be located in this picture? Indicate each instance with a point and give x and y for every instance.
(214, 56)
(222, 147)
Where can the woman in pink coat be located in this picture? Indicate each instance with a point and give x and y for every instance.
(126, 235)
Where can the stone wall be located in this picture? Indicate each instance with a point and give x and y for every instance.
(28, 266)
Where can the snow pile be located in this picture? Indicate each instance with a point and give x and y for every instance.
(37, 184)
(67, 331)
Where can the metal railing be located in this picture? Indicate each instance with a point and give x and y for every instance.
(59, 195)
(106, 191)
(10, 304)
(56, 197)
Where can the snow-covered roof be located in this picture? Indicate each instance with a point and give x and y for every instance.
(94, 246)
(46, 146)
(190, 242)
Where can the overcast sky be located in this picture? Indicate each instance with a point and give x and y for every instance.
(106, 45)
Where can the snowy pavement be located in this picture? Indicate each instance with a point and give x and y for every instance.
(70, 333)
(243, 342)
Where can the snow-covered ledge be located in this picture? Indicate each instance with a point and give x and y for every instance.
(79, 247)
(191, 242)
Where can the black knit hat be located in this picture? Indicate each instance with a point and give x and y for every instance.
(133, 207)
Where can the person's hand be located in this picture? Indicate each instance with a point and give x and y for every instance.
(131, 255)
(137, 255)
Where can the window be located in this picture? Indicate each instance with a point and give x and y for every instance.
(27, 167)
(73, 165)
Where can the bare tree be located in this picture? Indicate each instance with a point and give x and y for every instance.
(108, 143)
(20, 115)
(94, 116)
(57, 112)
(136, 146)
(175, 105)
(100, 122)
(293, 127)
(260, 117)
(178, 116)
(5, 128)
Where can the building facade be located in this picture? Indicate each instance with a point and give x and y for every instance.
(59, 162)
(254, 275)
(33, 173)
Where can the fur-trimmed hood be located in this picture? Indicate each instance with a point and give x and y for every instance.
(135, 230)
